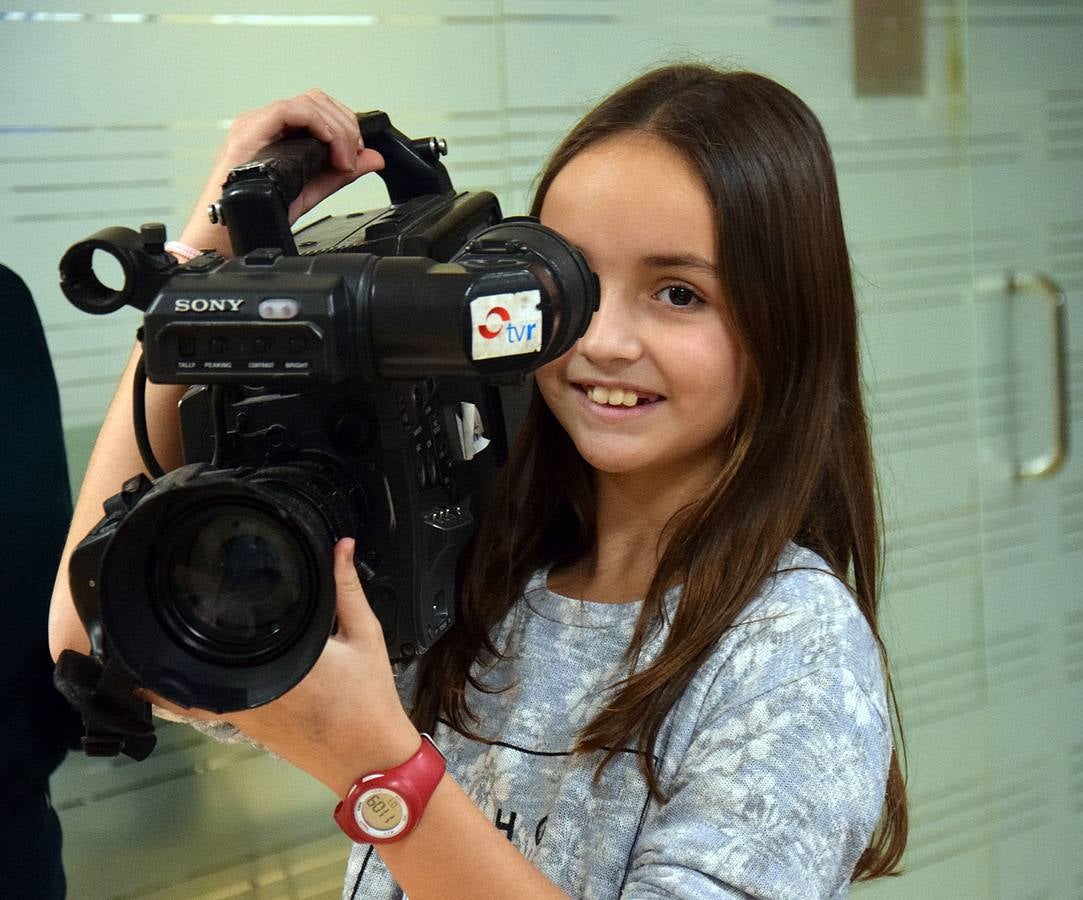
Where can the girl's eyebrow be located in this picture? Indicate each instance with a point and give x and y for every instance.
(673, 261)
(681, 260)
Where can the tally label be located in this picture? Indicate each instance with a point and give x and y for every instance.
(505, 324)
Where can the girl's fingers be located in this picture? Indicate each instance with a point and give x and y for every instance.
(365, 160)
(370, 160)
(328, 181)
(336, 124)
(348, 153)
(313, 111)
(326, 118)
(346, 135)
(354, 613)
(271, 122)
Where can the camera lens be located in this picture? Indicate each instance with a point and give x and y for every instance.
(234, 578)
(219, 585)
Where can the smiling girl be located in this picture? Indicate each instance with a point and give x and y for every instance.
(665, 679)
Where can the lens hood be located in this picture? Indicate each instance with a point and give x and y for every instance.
(221, 595)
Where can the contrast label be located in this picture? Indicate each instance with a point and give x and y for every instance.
(506, 324)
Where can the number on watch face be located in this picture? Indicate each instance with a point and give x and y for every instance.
(381, 810)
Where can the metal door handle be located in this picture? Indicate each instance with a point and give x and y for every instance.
(1049, 463)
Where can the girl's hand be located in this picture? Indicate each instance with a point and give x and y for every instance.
(325, 118)
(344, 718)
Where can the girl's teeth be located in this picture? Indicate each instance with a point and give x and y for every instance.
(612, 397)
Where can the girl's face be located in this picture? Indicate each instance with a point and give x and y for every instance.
(654, 382)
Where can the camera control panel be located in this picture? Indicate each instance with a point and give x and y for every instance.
(211, 351)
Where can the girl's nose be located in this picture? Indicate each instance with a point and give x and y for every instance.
(613, 334)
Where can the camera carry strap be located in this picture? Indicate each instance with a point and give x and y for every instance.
(116, 719)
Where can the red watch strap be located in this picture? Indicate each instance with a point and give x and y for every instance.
(414, 781)
(424, 769)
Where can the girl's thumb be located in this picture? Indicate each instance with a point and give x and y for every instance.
(352, 605)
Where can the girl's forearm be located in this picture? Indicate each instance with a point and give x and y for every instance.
(114, 460)
(455, 852)
(345, 720)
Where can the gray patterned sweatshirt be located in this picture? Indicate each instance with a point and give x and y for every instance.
(773, 761)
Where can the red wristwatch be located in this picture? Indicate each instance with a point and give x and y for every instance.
(382, 807)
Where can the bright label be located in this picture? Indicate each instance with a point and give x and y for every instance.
(505, 324)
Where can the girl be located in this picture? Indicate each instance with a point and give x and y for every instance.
(665, 679)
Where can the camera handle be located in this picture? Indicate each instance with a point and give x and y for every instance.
(412, 167)
(116, 719)
(257, 195)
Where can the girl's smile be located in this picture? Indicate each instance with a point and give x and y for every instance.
(620, 399)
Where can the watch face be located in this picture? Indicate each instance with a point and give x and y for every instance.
(380, 813)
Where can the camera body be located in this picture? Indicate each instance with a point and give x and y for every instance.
(350, 380)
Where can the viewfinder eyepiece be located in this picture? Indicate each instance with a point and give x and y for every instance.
(142, 260)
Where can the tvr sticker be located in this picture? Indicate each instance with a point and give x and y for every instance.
(505, 324)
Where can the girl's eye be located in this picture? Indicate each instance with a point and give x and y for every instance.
(679, 295)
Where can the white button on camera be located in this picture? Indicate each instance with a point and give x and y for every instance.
(278, 308)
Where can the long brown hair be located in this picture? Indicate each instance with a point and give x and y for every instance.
(797, 465)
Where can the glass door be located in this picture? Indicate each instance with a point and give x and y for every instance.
(1026, 97)
(970, 267)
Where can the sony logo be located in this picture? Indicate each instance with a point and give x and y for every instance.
(202, 304)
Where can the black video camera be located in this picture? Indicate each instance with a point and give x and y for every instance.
(347, 380)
